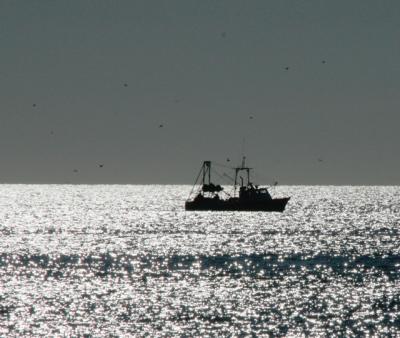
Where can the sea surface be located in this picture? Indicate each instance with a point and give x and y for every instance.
(127, 260)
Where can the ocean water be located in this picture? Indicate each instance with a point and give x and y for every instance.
(129, 261)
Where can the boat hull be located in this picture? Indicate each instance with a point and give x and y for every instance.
(236, 204)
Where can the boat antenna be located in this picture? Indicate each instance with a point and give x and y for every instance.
(243, 147)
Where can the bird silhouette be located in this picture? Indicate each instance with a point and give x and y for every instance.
(34, 105)
(125, 85)
(223, 35)
(101, 165)
(161, 126)
(75, 170)
(286, 68)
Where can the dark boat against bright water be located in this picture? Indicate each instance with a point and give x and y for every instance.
(246, 196)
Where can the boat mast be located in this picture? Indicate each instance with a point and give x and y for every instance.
(237, 170)
(206, 171)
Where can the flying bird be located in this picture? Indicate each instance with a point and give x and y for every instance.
(228, 159)
(223, 35)
(161, 126)
(125, 85)
(101, 165)
(250, 117)
(34, 105)
(323, 61)
(286, 68)
(75, 170)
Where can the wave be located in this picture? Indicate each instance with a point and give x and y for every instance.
(261, 265)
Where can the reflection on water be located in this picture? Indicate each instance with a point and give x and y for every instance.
(128, 260)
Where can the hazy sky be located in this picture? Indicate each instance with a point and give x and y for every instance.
(84, 83)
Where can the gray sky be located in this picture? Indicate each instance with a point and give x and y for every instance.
(84, 83)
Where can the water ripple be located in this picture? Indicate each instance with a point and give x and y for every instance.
(128, 260)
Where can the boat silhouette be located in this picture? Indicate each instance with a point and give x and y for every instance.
(246, 196)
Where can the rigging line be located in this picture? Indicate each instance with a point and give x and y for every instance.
(227, 194)
(226, 175)
(223, 165)
(261, 177)
(219, 175)
(201, 169)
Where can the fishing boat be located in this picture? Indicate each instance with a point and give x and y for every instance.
(246, 196)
